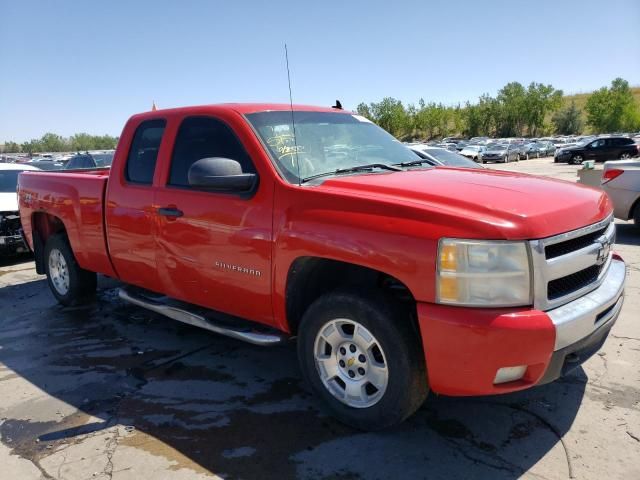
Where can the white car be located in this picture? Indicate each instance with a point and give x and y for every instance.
(11, 240)
(438, 156)
(621, 181)
(472, 152)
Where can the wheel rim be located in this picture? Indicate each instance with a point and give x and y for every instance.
(577, 159)
(351, 363)
(624, 156)
(58, 272)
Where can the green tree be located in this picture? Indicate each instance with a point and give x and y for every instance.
(11, 147)
(364, 110)
(511, 110)
(81, 141)
(613, 109)
(540, 100)
(567, 120)
(391, 115)
(50, 142)
(489, 114)
(32, 146)
(472, 121)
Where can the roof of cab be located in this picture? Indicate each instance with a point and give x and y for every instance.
(244, 108)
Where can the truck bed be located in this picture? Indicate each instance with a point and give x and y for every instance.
(77, 199)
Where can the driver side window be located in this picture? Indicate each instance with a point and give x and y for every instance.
(204, 137)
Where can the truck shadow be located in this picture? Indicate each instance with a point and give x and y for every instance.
(10, 260)
(208, 403)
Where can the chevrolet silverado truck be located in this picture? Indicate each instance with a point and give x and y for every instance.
(268, 222)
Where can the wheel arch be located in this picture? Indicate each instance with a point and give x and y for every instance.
(44, 225)
(310, 277)
(634, 208)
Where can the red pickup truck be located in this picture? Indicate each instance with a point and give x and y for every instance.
(267, 222)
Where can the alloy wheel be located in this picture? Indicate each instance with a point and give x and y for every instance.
(351, 363)
(59, 272)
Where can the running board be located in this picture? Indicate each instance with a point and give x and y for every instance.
(162, 306)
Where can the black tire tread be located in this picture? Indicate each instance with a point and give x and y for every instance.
(82, 283)
(390, 323)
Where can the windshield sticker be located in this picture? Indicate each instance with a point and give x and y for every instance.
(284, 146)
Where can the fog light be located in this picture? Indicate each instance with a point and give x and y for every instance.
(510, 374)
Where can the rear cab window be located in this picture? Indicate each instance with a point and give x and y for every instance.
(143, 154)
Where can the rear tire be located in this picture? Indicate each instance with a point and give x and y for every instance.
(625, 156)
(576, 160)
(70, 284)
(364, 345)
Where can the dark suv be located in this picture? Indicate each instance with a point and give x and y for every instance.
(89, 160)
(599, 149)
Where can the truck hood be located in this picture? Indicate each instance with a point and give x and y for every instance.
(482, 203)
(8, 202)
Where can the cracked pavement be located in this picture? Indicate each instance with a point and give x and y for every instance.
(110, 391)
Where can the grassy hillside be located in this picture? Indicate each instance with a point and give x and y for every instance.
(581, 100)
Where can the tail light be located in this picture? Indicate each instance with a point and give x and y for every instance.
(609, 175)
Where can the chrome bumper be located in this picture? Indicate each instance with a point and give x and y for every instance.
(581, 317)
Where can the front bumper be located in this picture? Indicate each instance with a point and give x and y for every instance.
(465, 347)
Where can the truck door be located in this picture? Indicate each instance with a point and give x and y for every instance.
(214, 249)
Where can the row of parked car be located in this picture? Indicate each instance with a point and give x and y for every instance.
(573, 150)
(73, 161)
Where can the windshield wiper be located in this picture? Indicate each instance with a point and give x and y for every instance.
(412, 163)
(358, 168)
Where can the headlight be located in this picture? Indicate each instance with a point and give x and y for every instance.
(483, 273)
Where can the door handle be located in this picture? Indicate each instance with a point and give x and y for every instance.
(170, 212)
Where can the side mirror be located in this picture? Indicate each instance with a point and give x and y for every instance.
(220, 175)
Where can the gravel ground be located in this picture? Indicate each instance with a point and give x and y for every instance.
(110, 391)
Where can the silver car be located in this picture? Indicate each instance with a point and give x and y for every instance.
(621, 181)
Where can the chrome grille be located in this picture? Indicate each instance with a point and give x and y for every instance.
(568, 246)
(566, 285)
(568, 265)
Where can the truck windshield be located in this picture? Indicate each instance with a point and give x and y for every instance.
(9, 181)
(325, 142)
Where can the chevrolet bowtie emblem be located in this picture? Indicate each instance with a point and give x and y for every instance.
(350, 362)
(603, 250)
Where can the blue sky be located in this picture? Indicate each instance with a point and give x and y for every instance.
(72, 66)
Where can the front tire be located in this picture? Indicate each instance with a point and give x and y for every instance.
(576, 160)
(70, 284)
(361, 355)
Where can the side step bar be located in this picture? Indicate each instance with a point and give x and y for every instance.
(248, 334)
